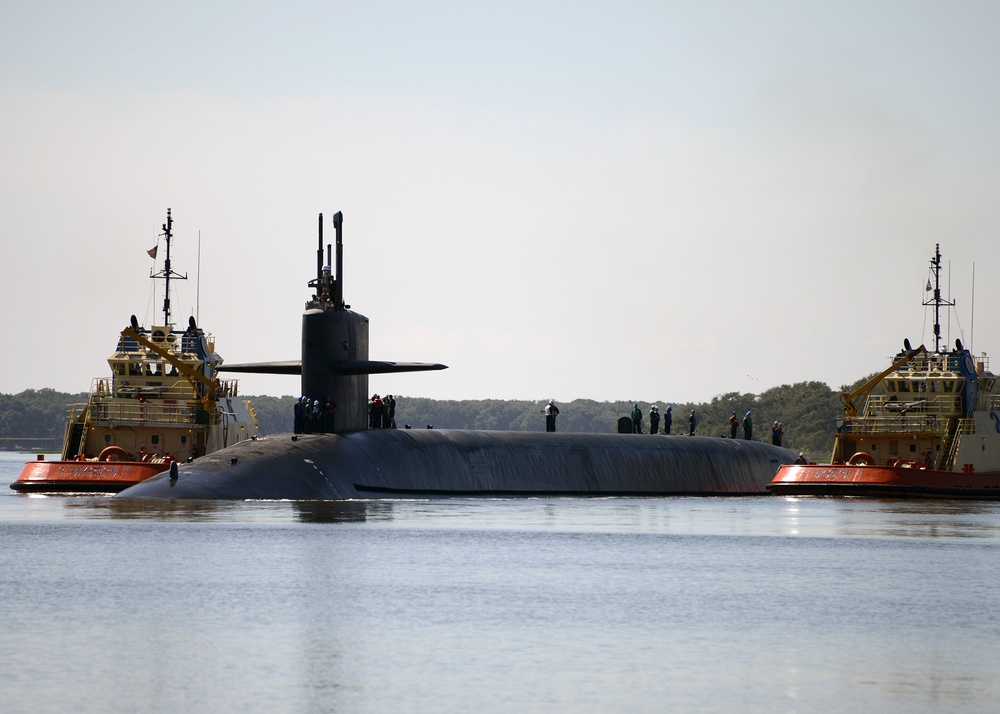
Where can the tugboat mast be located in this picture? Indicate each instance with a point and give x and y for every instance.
(937, 301)
(167, 273)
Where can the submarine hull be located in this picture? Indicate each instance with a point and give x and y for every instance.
(442, 463)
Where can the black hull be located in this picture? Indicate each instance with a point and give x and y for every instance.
(433, 463)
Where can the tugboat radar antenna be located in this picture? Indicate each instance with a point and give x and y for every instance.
(937, 302)
(167, 273)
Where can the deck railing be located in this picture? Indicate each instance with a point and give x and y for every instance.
(177, 388)
(111, 411)
(919, 423)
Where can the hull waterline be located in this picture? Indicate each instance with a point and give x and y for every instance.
(882, 481)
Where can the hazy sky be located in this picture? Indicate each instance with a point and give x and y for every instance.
(627, 200)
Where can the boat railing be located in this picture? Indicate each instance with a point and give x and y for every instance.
(920, 403)
(118, 411)
(909, 423)
(76, 412)
(229, 387)
(178, 389)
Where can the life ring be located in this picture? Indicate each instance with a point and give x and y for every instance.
(861, 458)
(147, 457)
(112, 453)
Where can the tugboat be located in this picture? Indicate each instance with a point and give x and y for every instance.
(162, 404)
(934, 433)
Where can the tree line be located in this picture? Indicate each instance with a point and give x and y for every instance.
(36, 419)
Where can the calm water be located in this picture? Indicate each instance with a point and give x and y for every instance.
(713, 604)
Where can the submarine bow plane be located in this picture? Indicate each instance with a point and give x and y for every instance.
(349, 461)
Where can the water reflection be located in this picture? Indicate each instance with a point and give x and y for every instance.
(907, 518)
(192, 511)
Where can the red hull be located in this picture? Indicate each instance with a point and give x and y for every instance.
(882, 481)
(90, 476)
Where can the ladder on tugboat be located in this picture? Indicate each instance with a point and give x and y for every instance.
(950, 445)
(75, 439)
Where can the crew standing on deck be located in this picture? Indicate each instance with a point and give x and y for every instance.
(654, 419)
(636, 419)
(668, 419)
(734, 424)
(692, 420)
(747, 427)
(551, 411)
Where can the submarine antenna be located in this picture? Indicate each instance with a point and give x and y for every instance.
(338, 293)
(319, 254)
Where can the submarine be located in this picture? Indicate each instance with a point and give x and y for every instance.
(347, 460)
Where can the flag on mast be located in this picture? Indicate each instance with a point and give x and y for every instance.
(152, 252)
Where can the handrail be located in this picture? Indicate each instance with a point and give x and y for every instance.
(134, 411)
(909, 424)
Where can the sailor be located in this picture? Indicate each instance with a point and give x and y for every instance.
(654, 419)
(802, 459)
(668, 420)
(329, 411)
(299, 413)
(734, 424)
(377, 409)
(310, 416)
(389, 420)
(747, 427)
(551, 411)
(636, 419)
(692, 420)
(318, 417)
